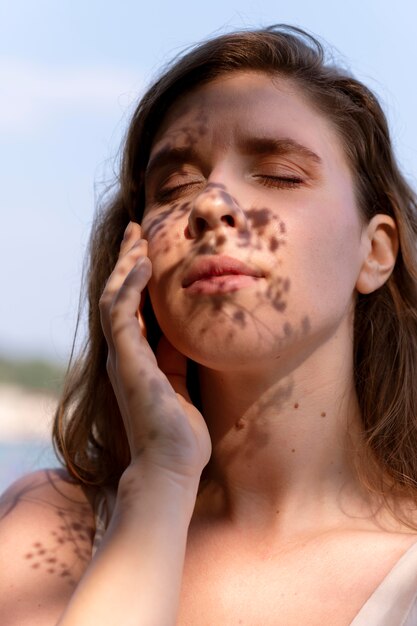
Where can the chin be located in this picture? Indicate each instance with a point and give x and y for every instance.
(226, 343)
(224, 348)
(228, 337)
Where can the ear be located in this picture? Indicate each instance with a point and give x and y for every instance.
(380, 238)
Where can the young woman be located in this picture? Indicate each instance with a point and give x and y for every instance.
(239, 434)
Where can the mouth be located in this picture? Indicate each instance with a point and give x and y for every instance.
(219, 274)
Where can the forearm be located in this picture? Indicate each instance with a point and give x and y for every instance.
(135, 577)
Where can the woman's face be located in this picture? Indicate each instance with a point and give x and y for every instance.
(253, 228)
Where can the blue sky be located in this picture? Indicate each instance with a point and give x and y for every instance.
(70, 72)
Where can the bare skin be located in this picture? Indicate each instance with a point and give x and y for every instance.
(282, 515)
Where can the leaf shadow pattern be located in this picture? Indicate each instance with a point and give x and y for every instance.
(253, 433)
(254, 241)
(66, 546)
(46, 556)
(166, 223)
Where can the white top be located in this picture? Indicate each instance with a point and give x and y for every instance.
(393, 603)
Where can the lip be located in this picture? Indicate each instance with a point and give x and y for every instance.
(221, 271)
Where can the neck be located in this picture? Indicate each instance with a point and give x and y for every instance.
(283, 442)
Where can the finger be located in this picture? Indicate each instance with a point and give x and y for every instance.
(139, 313)
(126, 261)
(174, 366)
(116, 279)
(132, 233)
(131, 249)
(123, 311)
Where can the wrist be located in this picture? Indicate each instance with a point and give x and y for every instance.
(160, 488)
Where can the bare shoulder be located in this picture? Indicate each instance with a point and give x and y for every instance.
(46, 531)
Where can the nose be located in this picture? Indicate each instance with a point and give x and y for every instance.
(213, 208)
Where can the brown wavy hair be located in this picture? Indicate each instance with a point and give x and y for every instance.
(88, 430)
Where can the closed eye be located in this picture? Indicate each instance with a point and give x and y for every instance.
(279, 182)
(172, 193)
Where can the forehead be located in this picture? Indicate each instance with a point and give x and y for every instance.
(248, 104)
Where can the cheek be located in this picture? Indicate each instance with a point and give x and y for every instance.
(161, 223)
(164, 235)
(166, 250)
(328, 257)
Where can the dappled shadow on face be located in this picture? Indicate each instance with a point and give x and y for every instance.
(186, 133)
(176, 228)
(259, 244)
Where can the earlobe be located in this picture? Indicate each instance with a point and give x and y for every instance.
(381, 240)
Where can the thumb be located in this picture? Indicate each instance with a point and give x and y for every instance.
(174, 366)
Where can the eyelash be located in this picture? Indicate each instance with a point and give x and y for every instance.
(280, 182)
(166, 194)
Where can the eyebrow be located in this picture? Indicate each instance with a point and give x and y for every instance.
(271, 145)
(170, 155)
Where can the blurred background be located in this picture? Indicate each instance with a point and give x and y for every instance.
(70, 73)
